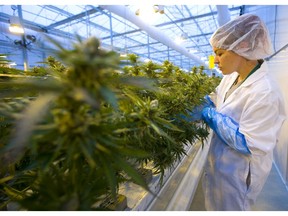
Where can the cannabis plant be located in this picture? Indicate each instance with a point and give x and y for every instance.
(155, 116)
(78, 133)
(73, 156)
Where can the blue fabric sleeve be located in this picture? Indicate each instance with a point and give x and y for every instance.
(226, 129)
(208, 101)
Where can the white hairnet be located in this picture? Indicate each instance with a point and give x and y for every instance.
(246, 35)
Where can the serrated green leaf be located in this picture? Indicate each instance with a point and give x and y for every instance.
(25, 126)
(110, 173)
(12, 192)
(161, 132)
(6, 178)
(137, 178)
(109, 96)
(168, 124)
(88, 155)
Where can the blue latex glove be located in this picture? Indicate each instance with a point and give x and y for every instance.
(226, 129)
(196, 113)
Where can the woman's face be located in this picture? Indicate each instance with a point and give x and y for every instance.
(227, 61)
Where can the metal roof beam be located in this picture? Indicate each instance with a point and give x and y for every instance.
(152, 31)
(197, 24)
(196, 17)
(173, 22)
(81, 15)
(141, 45)
(157, 42)
(77, 16)
(182, 23)
(208, 44)
(54, 8)
(37, 27)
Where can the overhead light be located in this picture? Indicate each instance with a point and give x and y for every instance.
(150, 13)
(159, 9)
(15, 26)
(154, 8)
(31, 38)
(18, 42)
(184, 36)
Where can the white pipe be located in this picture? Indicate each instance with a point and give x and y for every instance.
(223, 14)
(152, 31)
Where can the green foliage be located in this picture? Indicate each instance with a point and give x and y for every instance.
(154, 117)
(55, 65)
(4, 62)
(7, 70)
(36, 71)
(91, 124)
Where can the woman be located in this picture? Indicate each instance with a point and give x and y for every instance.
(246, 119)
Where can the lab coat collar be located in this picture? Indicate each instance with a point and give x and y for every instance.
(262, 71)
(259, 74)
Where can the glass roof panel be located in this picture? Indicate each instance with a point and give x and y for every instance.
(193, 23)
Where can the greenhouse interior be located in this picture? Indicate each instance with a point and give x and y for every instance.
(97, 107)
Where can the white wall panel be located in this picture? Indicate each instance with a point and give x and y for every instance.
(279, 67)
(276, 19)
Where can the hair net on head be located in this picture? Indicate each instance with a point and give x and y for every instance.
(247, 35)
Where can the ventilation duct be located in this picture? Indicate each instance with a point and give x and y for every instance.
(223, 14)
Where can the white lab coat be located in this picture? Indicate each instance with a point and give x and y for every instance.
(257, 106)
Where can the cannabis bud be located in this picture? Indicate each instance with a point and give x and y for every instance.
(91, 46)
(154, 104)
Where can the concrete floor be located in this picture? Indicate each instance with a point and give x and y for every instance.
(274, 196)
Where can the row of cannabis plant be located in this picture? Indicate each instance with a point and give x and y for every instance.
(85, 125)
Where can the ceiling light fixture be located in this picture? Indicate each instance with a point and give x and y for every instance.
(150, 13)
(159, 9)
(15, 25)
(182, 38)
(25, 43)
(156, 9)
